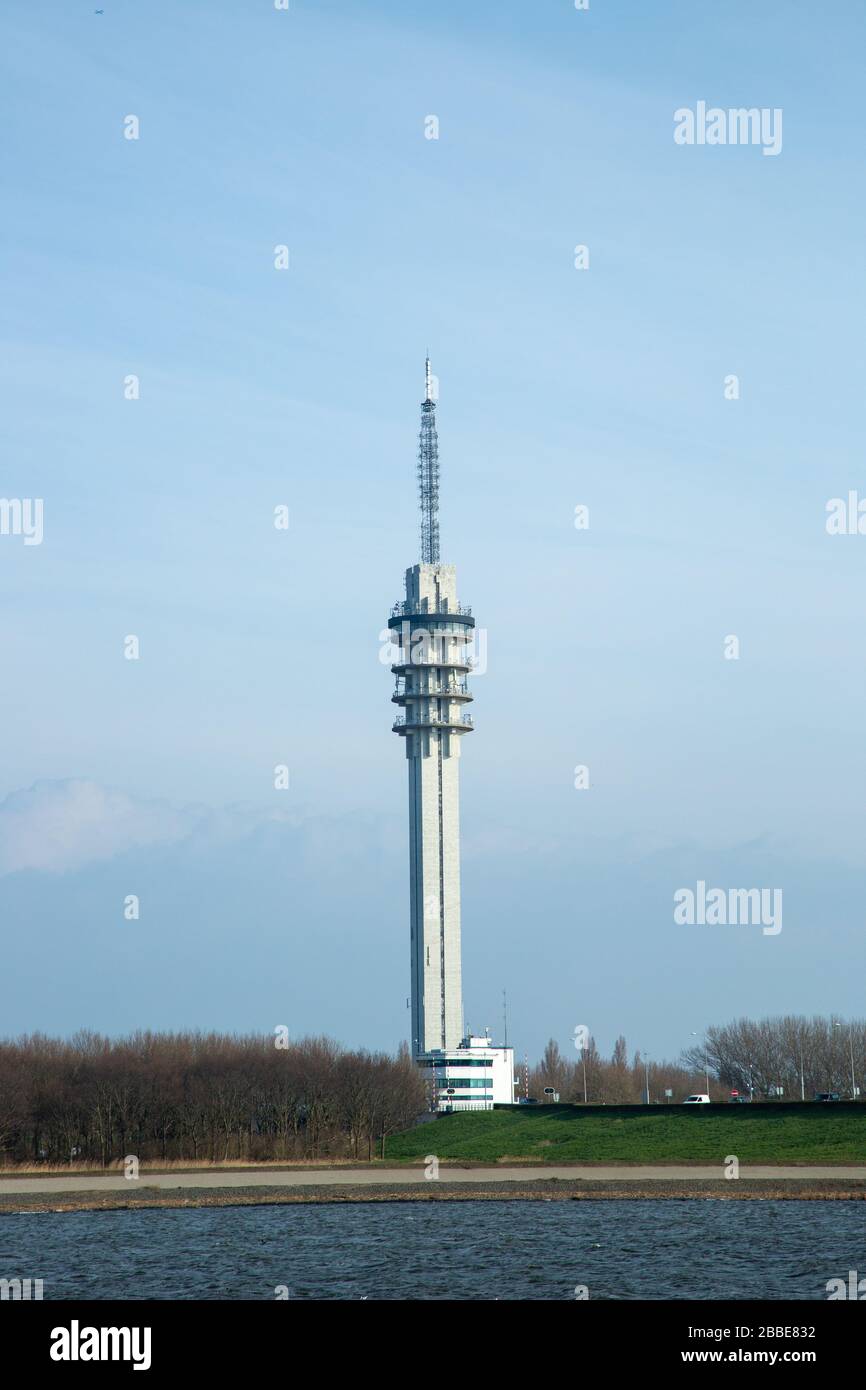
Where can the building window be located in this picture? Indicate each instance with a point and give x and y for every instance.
(456, 1062)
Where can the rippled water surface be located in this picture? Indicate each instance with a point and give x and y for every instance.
(470, 1250)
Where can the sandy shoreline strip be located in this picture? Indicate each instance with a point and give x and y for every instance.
(214, 1189)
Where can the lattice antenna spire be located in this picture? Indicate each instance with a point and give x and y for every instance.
(428, 474)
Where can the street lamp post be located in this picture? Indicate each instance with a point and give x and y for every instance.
(837, 1024)
(706, 1061)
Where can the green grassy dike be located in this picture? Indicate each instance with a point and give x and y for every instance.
(762, 1134)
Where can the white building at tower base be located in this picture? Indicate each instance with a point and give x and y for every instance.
(474, 1076)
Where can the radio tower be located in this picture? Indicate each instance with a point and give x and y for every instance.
(430, 636)
(431, 632)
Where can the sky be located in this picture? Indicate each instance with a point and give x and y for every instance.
(559, 387)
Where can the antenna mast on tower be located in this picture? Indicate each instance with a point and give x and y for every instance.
(428, 475)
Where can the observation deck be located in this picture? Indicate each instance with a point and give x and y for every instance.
(408, 724)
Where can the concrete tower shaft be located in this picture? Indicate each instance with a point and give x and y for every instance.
(431, 633)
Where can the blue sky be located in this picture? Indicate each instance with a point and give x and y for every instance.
(558, 387)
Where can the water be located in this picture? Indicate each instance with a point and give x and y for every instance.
(704, 1249)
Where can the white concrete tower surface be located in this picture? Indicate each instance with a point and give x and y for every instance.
(431, 632)
(431, 638)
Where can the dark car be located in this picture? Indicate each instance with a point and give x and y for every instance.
(827, 1096)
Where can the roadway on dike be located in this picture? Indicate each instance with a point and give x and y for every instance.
(207, 1178)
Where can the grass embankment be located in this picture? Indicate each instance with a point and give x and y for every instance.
(758, 1134)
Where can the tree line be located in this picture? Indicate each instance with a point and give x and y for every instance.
(802, 1055)
(218, 1097)
(616, 1080)
(785, 1057)
(214, 1097)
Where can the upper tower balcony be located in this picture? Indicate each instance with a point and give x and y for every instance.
(418, 613)
(438, 689)
(407, 724)
(425, 660)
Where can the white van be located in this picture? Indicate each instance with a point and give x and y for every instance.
(697, 1100)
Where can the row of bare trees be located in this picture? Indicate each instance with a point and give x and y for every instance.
(214, 1097)
(614, 1080)
(789, 1057)
(803, 1056)
(217, 1097)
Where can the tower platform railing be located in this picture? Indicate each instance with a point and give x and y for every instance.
(461, 721)
(453, 690)
(406, 608)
